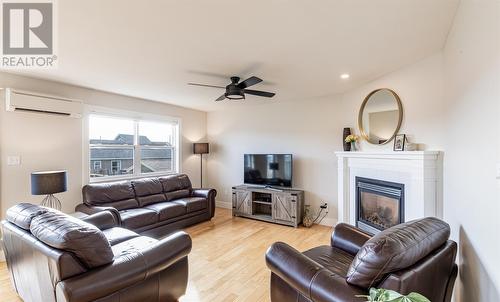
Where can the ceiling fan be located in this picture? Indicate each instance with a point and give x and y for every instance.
(237, 90)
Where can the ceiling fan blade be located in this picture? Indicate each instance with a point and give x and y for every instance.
(249, 82)
(213, 86)
(260, 93)
(221, 98)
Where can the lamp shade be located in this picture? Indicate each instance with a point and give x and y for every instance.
(48, 182)
(200, 148)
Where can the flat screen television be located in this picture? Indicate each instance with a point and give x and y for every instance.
(268, 169)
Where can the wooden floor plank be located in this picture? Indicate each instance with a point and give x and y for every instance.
(227, 261)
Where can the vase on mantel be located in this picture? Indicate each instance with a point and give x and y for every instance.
(353, 146)
(347, 146)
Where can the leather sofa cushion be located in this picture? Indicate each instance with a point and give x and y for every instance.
(119, 195)
(335, 260)
(148, 191)
(167, 210)
(175, 182)
(22, 214)
(137, 218)
(174, 195)
(396, 248)
(193, 204)
(133, 246)
(70, 234)
(117, 235)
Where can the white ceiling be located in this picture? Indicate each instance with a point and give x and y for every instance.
(151, 49)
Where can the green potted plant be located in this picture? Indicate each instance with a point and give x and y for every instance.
(386, 295)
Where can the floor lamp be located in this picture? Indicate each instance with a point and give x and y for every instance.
(200, 148)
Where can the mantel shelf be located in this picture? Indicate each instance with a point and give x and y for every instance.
(389, 154)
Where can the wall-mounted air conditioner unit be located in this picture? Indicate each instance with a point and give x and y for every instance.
(18, 100)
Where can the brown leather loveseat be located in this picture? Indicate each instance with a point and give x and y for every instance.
(151, 206)
(55, 257)
(411, 257)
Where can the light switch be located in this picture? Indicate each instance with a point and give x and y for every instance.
(498, 171)
(13, 160)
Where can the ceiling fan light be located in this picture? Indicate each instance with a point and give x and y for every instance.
(235, 95)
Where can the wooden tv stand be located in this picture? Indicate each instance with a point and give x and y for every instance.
(283, 206)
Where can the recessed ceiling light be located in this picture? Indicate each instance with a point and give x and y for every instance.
(344, 76)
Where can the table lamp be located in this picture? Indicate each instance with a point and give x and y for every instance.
(48, 183)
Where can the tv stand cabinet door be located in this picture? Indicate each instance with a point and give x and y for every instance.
(242, 203)
(284, 207)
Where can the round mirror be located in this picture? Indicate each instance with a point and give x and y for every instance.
(380, 116)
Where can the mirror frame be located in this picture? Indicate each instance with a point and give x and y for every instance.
(360, 116)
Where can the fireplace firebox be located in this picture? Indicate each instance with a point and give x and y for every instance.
(379, 204)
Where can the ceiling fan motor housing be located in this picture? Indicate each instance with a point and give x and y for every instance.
(233, 92)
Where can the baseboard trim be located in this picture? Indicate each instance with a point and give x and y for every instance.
(328, 221)
(223, 204)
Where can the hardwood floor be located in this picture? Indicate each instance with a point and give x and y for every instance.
(227, 261)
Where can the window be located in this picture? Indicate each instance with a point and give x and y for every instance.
(127, 148)
(97, 165)
(116, 166)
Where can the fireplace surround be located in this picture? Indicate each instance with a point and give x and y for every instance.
(379, 204)
(419, 171)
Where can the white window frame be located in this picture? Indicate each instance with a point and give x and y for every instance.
(136, 117)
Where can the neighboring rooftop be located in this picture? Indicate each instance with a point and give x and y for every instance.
(97, 153)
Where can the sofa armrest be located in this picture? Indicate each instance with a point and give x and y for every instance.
(103, 220)
(348, 238)
(308, 277)
(125, 270)
(209, 194)
(84, 208)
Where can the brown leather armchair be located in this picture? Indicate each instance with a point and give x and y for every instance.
(55, 257)
(411, 257)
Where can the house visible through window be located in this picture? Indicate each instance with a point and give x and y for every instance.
(121, 147)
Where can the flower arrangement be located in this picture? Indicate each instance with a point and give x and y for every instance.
(352, 138)
(385, 295)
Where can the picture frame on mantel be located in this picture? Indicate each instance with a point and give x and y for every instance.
(399, 142)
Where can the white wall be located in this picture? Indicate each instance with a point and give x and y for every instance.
(47, 142)
(471, 192)
(307, 129)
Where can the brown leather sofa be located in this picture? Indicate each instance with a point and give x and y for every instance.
(151, 206)
(410, 257)
(55, 257)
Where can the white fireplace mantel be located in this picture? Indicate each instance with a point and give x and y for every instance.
(419, 171)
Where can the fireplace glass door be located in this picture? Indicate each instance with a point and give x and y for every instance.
(379, 204)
